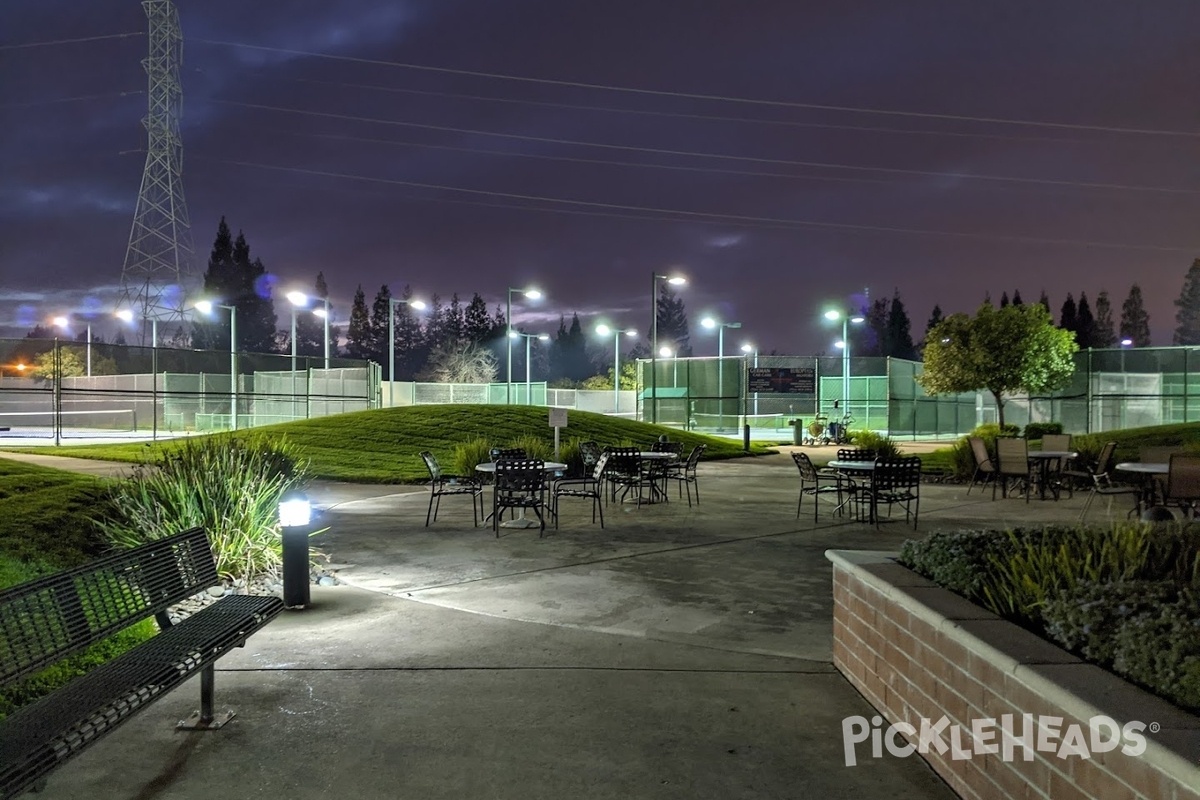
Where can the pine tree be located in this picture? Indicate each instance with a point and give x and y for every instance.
(672, 322)
(358, 332)
(899, 338)
(411, 354)
(578, 363)
(558, 356)
(1068, 317)
(1017, 301)
(1045, 301)
(1104, 333)
(1004, 299)
(435, 327)
(219, 287)
(381, 307)
(477, 327)
(322, 292)
(1085, 324)
(935, 317)
(256, 319)
(499, 322)
(456, 324)
(310, 328)
(875, 339)
(1135, 322)
(1187, 318)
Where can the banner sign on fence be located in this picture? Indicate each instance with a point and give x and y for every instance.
(782, 380)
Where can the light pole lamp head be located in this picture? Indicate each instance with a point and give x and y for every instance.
(833, 315)
(857, 320)
(840, 345)
(203, 306)
(321, 312)
(677, 280)
(532, 293)
(543, 337)
(666, 352)
(631, 332)
(708, 322)
(603, 330)
(747, 348)
(298, 299)
(419, 305)
(61, 322)
(124, 314)
(1126, 342)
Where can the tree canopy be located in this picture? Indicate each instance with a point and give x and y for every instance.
(1187, 317)
(1006, 350)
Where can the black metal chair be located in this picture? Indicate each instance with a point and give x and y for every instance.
(810, 474)
(520, 483)
(685, 473)
(985, 468)
(895, 481)
(626, 472)
(589, 486)
(441, 485)
(1103, 485)
(589, 453)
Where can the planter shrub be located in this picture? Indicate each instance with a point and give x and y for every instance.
(1036, 430)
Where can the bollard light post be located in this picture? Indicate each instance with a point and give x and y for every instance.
(295, 523)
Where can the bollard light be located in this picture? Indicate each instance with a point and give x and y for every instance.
(295, 517)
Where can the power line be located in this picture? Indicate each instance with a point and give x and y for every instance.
(751, 159)
(733, 219)
(710, 97)
(104, 95)
(28, 45)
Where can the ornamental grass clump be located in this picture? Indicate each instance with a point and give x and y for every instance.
(884, 446)
(470, 454)
(229, 486)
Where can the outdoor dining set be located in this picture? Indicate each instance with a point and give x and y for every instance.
(523, 485)
(1162, 478)
(862, 481)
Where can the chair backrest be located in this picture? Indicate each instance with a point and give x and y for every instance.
(694, 457)
(858, 454)
(1157, 455)
(431, 464)
(590, 453)
(1012, 455)
(983, 461)
(1104, 461)
(624, 460)
(896, 472)
(517, 475)
(808, 472)
(667, 447)
(1057, 441)
(601, 466)
(507, 452)
(1183, 477)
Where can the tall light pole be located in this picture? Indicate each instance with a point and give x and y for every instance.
(833, 315)
(206, 307)
(126, 316)
(711, 323)
(604, 330)
(298, 300)
(528, 337)
(65, 324)
(323, 313)
(674, 280)
(748, 349)
(531, 294)
(392, 303)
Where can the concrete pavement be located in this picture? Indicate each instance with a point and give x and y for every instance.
(677, 653)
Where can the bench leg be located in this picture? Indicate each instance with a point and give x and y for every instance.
(205, 719)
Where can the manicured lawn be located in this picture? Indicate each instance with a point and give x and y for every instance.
(383, 445)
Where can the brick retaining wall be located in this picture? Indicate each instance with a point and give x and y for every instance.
(916, 651)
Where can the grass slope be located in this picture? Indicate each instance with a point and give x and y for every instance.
(383, 445)
(45, 519)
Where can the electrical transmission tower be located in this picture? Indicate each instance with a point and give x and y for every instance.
(158, 260)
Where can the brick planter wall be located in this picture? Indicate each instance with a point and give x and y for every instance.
(917, 651)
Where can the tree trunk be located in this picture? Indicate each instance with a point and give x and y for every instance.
(999, 410)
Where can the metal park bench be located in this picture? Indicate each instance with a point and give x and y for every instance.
(46, 620)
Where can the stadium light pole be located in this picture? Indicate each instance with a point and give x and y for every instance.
(604, 330)
(748, 348)
(711, 323)
(532, 294)
(206, 307)
(528, 337)
(392, 303)
(323, 313)
(833, 315)
(674, 280)
(126, 316)
(64, 323)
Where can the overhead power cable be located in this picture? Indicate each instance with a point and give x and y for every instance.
(703, 215)
(56, 100)
(30, 45)
(710, 97)
(751, 159)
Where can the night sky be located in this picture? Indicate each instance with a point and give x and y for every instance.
(942, 149)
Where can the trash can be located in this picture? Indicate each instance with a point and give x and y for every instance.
(797, 431)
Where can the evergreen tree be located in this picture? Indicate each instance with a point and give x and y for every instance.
(578, 364)
(987, 298)
(456, 324)
(899, 331)
(1187, 318)
(875, 339)
(358, 333)
(310, 328)
(1004, 299)
(935, 317)
(1135, 322)
(557, 366)
(411, 355)
(1017, 301)
(477, 327)
(220, 286)
(1045, 301)
(1085, 324)
(1104, 333)
(499, 323)
(380, 308)
(1068, 317)
(256, 319)
(672, 322)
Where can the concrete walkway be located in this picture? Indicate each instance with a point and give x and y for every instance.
(677, 653)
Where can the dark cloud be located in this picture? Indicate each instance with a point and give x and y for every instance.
(316, 158)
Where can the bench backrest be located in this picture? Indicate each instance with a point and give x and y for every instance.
(45, 620)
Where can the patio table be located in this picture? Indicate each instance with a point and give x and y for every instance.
(1044, 459)
(520, 521)
(1150, 473)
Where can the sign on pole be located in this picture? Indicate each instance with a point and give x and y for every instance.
(558, 420)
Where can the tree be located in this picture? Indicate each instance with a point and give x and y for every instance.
(872, 338)
(1004, 299)
(935, 317)
(310, 328)
(1045, 301)
(381, 308)
(234, 279)
(672, 322)
(568, 353)
(1017, 301)
(456, 323)
(1135, 322)
(477, 327)
(899, 331)
(410, 341)
(1085, 324)
(1103, 333)
(358, 332)
(460, 362)
(1013, 349)
(1187, 318)
(1068, 317)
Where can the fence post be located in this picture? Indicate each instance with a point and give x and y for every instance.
(57, 361)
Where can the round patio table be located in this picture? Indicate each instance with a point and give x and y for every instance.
(1044, 459)
(520, 521)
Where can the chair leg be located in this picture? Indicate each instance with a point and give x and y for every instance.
(429, 510)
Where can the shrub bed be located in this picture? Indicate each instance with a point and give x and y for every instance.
(1126, 598)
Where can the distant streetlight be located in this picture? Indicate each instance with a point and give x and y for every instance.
(748, 349)
(711, 323)
(604, 330)
(126, 316)
(298, 300)
(64, 323)
(833, 315)
(674, 280)
(207, 307)
(1126, 342)
(667, 352)
(531, 294)
(323, 313)
(528, 337)
(392, 303)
